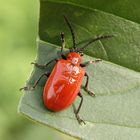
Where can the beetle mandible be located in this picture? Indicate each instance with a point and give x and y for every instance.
(64, 82)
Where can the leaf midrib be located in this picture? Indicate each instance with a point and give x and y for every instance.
(91, 122)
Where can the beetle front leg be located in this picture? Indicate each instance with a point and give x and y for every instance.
(86, 86)
(90, 62)
(62, 42)
(77, 111)
(62, 45)
(45, 65)
(36, 83)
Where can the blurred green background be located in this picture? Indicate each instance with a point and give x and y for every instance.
(18, 32)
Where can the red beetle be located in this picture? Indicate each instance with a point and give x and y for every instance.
(64, 82)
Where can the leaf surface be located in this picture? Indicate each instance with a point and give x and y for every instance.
(128, 9)
(115, 111)
(113, 114)
(87, 23)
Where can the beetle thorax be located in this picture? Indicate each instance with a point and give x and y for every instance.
(74, 58)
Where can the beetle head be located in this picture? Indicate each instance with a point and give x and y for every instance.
(74, 58)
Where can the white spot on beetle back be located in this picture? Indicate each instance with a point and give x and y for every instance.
(73, 69)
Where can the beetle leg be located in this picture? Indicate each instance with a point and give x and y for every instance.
(45, 74)
(90, 62)
(77, 111)
(45, 65)
(86, 86)
(62, 45)
(62, 41)
(35, 84)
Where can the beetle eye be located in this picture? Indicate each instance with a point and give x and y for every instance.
(81, 53)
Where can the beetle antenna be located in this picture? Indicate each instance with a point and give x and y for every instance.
(72, 33)
(95, 39)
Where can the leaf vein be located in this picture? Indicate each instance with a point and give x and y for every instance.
(92, 122)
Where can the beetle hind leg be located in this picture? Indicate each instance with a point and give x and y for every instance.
(35, 84)
(80, 121)
(86, 86)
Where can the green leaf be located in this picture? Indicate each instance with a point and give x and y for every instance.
(113, 114)
(115, 111)
(128, 9)
(124, 49)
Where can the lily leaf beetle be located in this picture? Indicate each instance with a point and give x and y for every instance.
(64, 82)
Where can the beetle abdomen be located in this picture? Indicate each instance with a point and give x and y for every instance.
(62, 86)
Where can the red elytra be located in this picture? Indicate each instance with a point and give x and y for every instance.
(64, 82)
